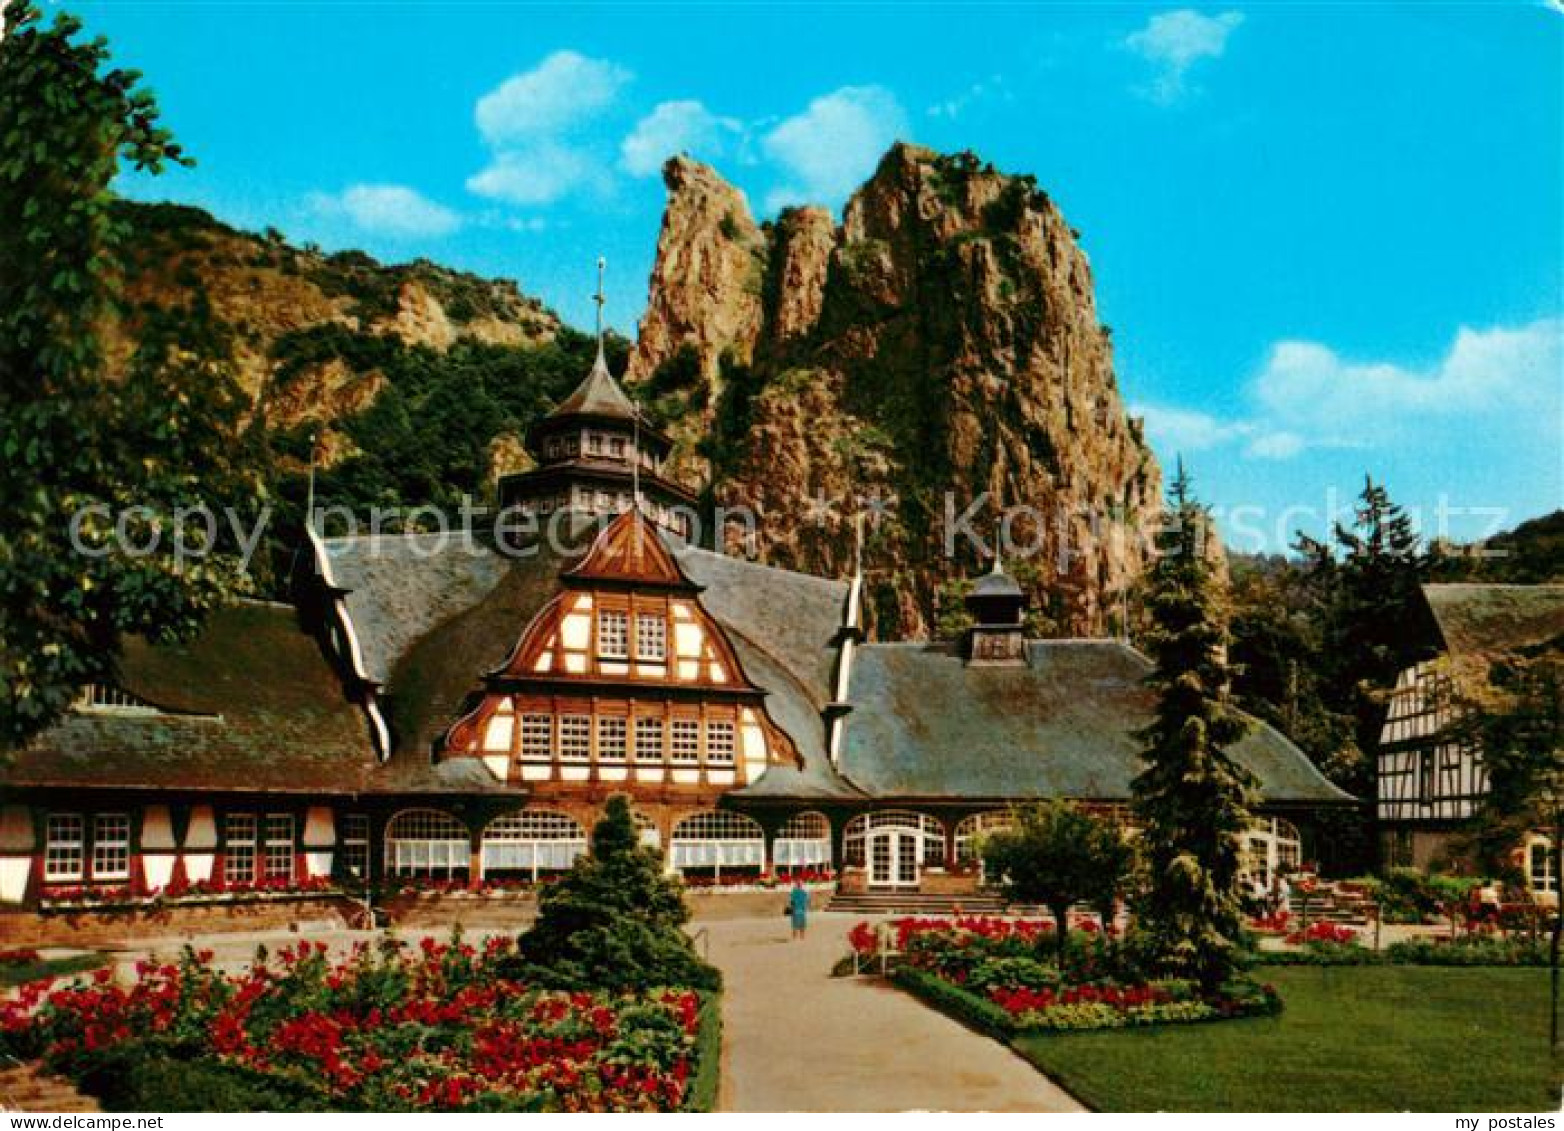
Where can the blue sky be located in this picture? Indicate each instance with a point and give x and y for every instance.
(1329, 238)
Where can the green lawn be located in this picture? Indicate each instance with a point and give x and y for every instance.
(49, 968)
(1351, 1039)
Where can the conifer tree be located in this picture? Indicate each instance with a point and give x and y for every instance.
(1192, 798)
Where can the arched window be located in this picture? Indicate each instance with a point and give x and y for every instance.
(1273, 847)
(971, 830)
(717, 839)
(646, 831)
(932, 834)
(531, 841)
(427, 842)
(803, 842)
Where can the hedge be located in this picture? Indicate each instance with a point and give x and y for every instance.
(953, 1001)
(702, 1096)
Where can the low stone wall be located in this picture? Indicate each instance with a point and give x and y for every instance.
(111, 929)
(471, 912)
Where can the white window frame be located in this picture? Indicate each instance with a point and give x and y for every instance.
(111, 846)
(613, 634)
(717, 839)
(537, 737)
(613, 740)
(355, 845)
(426, 842)
(646, 753)
(65, 847)
(1541, 879)
(241, 837)
(575, 738)
(277, 847)
(651, 638)
(684, 742)
(721, 742)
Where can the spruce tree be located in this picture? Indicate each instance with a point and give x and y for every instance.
(1192, 798)
(1369, 605)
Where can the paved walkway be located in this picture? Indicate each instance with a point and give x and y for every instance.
(796, 1039)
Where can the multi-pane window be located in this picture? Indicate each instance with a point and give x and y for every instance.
(686, 744)
(111, 846)
(575, 738)
(63, 851)
(616, 447)
(1541, 867)
(277, 864)
(239, 848)
(613, 635)
(611, 739)
(651, 637)
(355, 845)
(648, 739)
(719, 743)
(537, 738)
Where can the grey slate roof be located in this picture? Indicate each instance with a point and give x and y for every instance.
(1485, 619)
(402, 586)
(250, 703)
(597, 395)
(926, 726)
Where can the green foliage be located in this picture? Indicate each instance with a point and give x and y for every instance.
(1350, 1040)
(160, 438)
(1056, 855)
(1516, 718)
(159, 1076)
(953, 1001)
(1367, 593)
(614, 920)
(1470, 950)
(1192, 797)
(707, 1076)
(1531, 554)
(952, 619)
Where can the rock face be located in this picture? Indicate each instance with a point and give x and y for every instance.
(937, 355)
(259, 292)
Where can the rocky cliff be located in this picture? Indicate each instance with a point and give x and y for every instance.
(936, 352)
(260, 294)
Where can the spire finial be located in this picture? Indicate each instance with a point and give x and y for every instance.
(309, 499)
(600, 298)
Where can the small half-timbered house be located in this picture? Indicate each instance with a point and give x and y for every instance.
(1431, 785)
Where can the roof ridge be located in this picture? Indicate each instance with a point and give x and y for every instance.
(687, 547)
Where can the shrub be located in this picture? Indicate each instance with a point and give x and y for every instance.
(1470, 950)
(952, 1000)
(613, 921)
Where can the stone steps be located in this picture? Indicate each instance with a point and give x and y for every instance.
(915, 903)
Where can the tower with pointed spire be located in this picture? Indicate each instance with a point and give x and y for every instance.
(597, 455)
(997, 605)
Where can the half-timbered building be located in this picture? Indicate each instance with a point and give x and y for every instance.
(451, 709)
(1430, 784)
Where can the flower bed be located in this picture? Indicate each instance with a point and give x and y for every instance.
(815, 879)
(389, 1028)
(1004, 976)
(87, 898)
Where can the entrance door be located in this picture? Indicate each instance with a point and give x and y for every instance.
(893, 858)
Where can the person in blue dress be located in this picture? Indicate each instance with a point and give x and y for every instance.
(798, 908)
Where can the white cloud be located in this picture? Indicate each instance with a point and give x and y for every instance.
(539, 174)
(1175, 41)
(387, 210)
(1183, 430)
(1483, 372)
(1503, 381)
(683, 126)
(988, 90)
(824, 152)
(561, 92)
